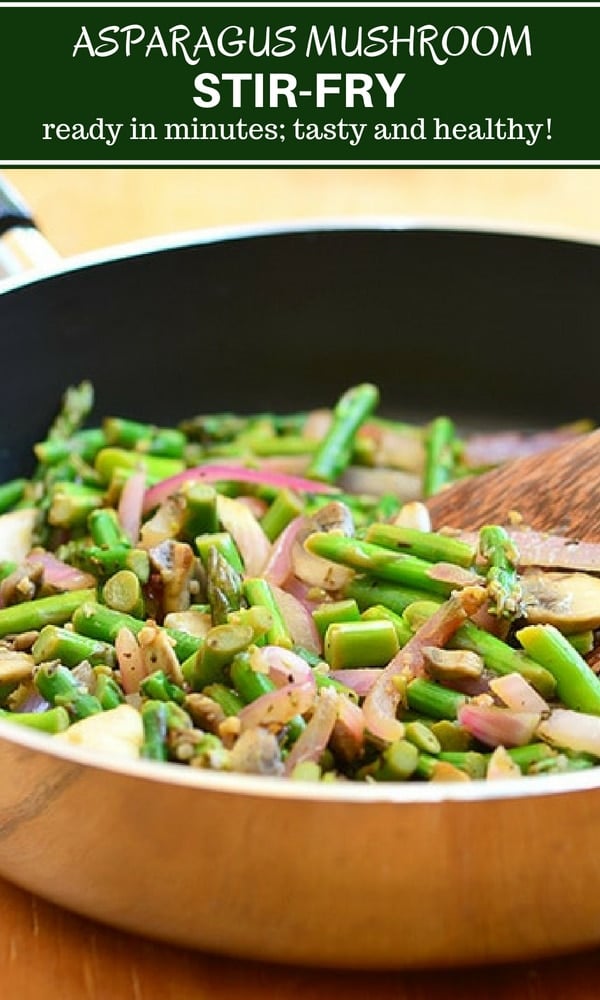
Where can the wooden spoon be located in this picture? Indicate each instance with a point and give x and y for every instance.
(557, 491)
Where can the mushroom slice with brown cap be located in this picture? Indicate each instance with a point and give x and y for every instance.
(570, 601)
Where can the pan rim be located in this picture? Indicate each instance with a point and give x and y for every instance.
(326, 224)
(261, 787)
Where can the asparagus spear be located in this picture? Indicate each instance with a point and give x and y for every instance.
(398, 762)
(154, 719)
(225, 697)
(577, 685)
(103, 562)
(433, 700)
(259, 620)
(501, 558)
(108, 692)
(58, 686)
(258, 593)
(286, 506)
(224, 543)
(335, 611)
(11, 493)
(473, 764)
(71, 504)
(424, 544)
(335, 450)
(55, 643)
(223, 586)
(378, 611)
(422, 736)
(158, 687)
(85, 443)
(530, 754)
(368, 592)
(123, 592)
(54, 720)
(364, 557)
(108, 461)
(100, 622)
(167, 442)
(221, 645)
(105, 529)
(201, 516)
(75, 407)
(439, 455)
(33, 615)
(248, 683)
(503, 659)
(360, 644)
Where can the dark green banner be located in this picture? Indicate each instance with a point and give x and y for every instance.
(298, 85)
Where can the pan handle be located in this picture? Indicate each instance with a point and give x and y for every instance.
(22, 246)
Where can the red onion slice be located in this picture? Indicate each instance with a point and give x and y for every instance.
(349, 730)
(59, 574)
(278, 707)
(279, 564)
(130, 505)
(284, 666)
(130, 660)
(312, 742)
(498, 726)
(571, 730)
(232, 474)
(379, 709)
(518, 694)
(298, 620)
(257, 507)
(248, 535)
(359, 679)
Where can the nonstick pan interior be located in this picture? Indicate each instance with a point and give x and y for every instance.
(487, 327)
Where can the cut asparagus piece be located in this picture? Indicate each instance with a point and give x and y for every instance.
(501, 558)
(335, 450)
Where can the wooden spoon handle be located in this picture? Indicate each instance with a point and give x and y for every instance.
(557, 490)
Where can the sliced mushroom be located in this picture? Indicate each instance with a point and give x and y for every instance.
(158, 653)
(570, 601)
(175, 563)
(15, 667)
(451, 664)
(257, 752)
(22, 585)
(413, 515)
(193, 622)
(335, 516)
(167, 522)
(205, 713)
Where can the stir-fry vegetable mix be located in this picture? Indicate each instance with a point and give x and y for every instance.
(265, 595)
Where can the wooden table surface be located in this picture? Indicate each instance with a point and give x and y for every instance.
(47, 952)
